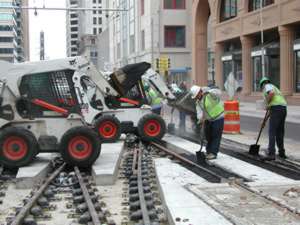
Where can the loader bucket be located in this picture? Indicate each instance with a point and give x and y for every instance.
(127, 77)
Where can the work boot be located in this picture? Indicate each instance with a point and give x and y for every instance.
(210, 156)
(282, 154)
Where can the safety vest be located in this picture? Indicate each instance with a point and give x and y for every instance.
(155, 100)
(212, 107)
(277, 99)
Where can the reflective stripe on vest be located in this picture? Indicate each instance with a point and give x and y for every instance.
(277, 99)
(212, 107)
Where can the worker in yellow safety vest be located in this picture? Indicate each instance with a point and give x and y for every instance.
(212, 117)
(276, 104)
(154, 100)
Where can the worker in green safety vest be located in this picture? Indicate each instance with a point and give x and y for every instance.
(276, 104)
(153, 98)
(212, 117)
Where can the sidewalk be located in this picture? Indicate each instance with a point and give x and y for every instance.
(252, 110)
(247, 138)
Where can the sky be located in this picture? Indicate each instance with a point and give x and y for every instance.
(53, 23)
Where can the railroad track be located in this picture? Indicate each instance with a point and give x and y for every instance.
(144, 203)
(81, 201)
(233, 181)
(288, 168)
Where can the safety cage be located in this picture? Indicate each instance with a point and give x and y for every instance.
(49, 94)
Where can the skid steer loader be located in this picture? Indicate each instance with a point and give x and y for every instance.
(65, 105)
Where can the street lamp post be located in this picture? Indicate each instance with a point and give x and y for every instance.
(262, 40)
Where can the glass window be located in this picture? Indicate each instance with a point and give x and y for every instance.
(298, 71)
(6, 50)
(94, 20)
(228, 9)
(175, 36)
(6, 16)
(174, 4)
(95, 31)
(6, 39)
(99, 20)
(255, 4)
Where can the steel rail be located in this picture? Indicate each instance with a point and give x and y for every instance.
(24, 211)
(146, 218)
(87, 197)
(189, 162)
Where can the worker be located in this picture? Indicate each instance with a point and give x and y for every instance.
(208, 101)
(276, 104)
(154, 100)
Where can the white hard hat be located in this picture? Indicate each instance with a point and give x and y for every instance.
(205, 89)
(195, 90)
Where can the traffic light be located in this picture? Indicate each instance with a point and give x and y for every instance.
(169, 63)
(157, 63)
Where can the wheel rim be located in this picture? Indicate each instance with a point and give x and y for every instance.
(152, 128)
(108, 129)
(15, 148)
(80, 147)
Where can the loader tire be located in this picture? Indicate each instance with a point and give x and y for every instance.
(80, 146)
(151, 127)
(108, 128)
(18, 147)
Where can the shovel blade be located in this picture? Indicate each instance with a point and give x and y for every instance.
(200, 156)
(254, 149)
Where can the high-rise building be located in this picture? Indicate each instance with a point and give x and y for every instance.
(72, 28)
(14, 31)
(83, 26)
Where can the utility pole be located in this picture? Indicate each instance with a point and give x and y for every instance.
(42, 45)
(262, 40)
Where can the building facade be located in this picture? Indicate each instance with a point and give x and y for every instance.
(84, 26)
(238, 44)
(14, 32)
(149, 30)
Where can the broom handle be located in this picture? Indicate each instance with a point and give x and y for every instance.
(263, 125)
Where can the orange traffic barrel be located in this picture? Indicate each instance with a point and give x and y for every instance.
(232, 117)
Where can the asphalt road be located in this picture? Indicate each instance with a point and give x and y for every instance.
(292, 130)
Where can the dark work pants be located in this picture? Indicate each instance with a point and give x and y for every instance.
(182, 116)
(213, 133)
(276, 128)
(156, 110)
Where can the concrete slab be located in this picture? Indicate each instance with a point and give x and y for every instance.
(182, 206)
(29, 176)
(242, 207)
(244, 169)
(105, 168)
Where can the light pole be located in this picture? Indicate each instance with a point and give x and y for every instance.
(262, 40)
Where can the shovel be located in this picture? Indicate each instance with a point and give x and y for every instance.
(254, 149)
(199, 154)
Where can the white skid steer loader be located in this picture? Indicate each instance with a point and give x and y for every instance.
(64, 106)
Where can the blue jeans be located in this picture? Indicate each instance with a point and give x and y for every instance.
(213, 133)
(276, 128)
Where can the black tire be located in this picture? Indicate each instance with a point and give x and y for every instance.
(108, 128)
(80, 137)
(151, 127)
(24, 143)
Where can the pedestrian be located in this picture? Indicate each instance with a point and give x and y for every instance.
(208, 101)
(276, 104)
(154, 100)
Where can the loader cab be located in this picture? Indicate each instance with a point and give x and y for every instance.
(47, 94)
